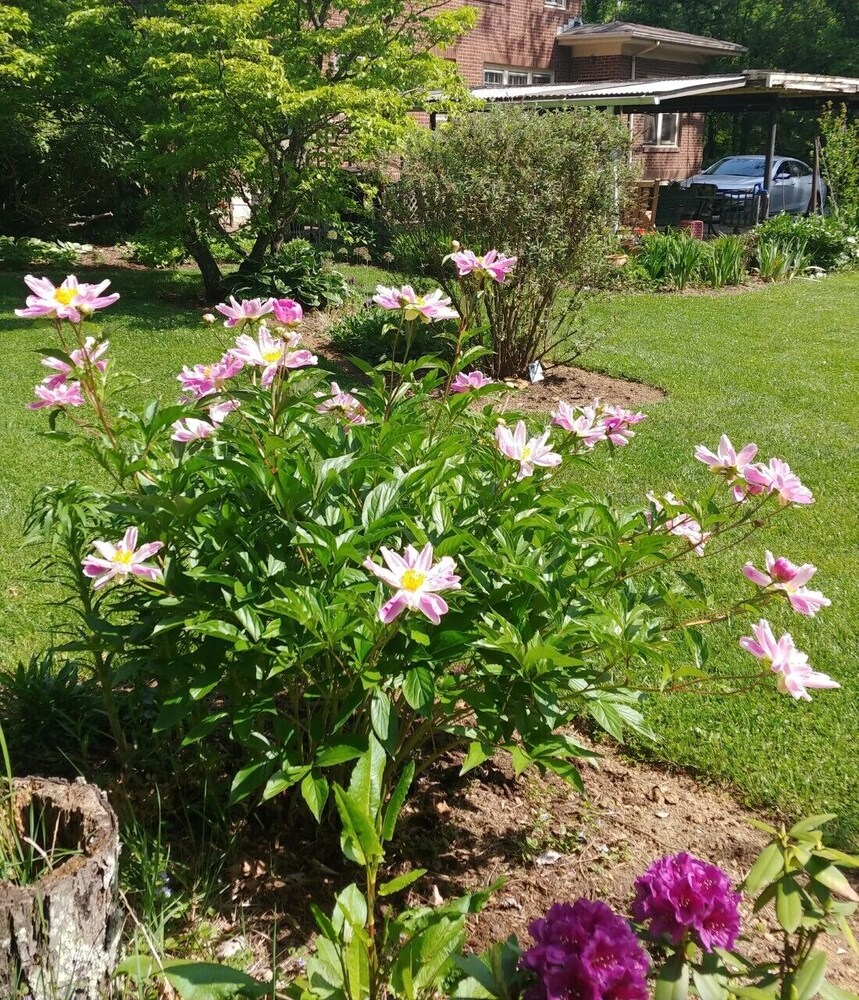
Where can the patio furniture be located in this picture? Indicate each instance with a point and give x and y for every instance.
(642, 205)
(701, 202)
(739, 210)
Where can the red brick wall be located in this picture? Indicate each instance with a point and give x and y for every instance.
(670, 163)
(517, 33)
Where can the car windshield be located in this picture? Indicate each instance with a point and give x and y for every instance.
(742, 166)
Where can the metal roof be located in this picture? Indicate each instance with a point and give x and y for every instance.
(627, 31)
(748, 83)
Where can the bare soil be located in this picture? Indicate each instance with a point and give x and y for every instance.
(577, 386)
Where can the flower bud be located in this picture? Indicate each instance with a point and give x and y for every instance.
(208, 317)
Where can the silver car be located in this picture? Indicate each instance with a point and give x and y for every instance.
(790, 187)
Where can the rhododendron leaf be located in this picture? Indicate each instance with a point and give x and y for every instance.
(400, 882)
(763, 827)
(672, 983)
(810, 977)
(709, 985)
(829, 991)
(769, 864)
(810, 823)
(788, 904)
(838, 857)
(828, 875)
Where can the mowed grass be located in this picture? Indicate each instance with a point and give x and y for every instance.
(777, 365)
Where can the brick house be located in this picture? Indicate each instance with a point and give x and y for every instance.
(528, 43)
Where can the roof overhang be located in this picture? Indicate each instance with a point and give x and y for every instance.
(625, 38)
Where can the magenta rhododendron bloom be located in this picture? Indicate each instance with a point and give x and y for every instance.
(201, 380)
(528, 452)
(585, 951)
(191, 429)
(794, 673)
(728, 463)
(680, 896)
(416, 580)
(789, 578)
(62, 394)
(492, 264)
(618, 424)
(239, 313)
(71, 301)
(583, 422)
(218, 412)
(122, 560)
(426, 308)
(90, 355)
(287, 312)
(343, 404)
(271, 353)
(473, 380)
(777, 477)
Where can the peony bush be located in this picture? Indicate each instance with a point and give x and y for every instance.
(282, 569)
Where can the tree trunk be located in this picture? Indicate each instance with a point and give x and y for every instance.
(59, 934)
(205, 260)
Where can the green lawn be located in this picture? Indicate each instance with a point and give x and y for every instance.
(775, 365)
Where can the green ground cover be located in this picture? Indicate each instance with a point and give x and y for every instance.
(775, 365)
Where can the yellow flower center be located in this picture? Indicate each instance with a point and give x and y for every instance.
(65, 296)
(123, 557)
(271, 356)
(412, 580)
(527, 451)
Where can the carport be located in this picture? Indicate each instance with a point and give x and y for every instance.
(766, 92)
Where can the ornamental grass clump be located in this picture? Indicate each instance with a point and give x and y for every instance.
(278, 566)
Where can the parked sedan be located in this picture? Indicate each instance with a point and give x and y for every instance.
(790, 188)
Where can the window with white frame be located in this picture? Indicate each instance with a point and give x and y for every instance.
(662, 130)
(562, 4)
(513, 76)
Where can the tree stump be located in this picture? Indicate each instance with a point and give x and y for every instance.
(59, 935)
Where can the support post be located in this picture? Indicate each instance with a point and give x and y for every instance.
(815, 179)
(768, 163)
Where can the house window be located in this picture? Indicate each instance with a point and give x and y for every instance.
(562, 4)
(503, 76)
(661, 130)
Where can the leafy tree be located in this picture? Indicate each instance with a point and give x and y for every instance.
(267, 98)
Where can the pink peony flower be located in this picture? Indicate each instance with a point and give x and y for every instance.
(682, 525)
(492, 264)
(777, 477)
(789, 578)
(191, 429)
(70, 301)
(63, 394)
(473, 380)
(795, 676)
(201, 380)
(583, 422)
(426, 308)
(121, 560)
(618, 423)
(344, 405)
(728, 463)
(271, 353)
(528, 452)
(287, 312)
(218, 412)
(88, 355)
(239, 313)
(416, 580)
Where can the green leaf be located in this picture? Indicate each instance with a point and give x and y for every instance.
(810, 823)
(756, 992)
(365, 785)
(398, 797)
(673, 980)
(249, 779)
(829, 991)
(195, 980)
(832, 878)
(400, 882)
(769, 864)
(315, 793)
(378, 501)
(384, 721)
(476, 755)
(708, 986)
(419, 688)
(359, 840)
(788, 905)
(810, 977)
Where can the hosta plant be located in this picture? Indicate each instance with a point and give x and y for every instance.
(284, 567)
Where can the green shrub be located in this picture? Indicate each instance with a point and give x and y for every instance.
(828, 242)
(297, 271)
(725, 261)
(672, 259)
(781, 259)
(840, 136)
(156, 253)
(368, 334)
(26, 253)
(540, 187)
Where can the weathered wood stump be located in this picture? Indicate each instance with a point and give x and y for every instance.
(59, 936)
